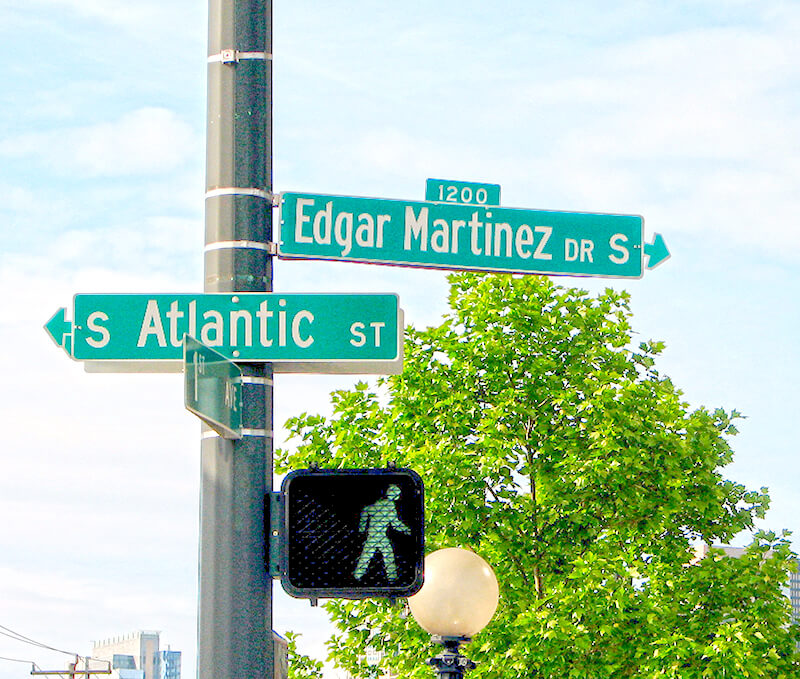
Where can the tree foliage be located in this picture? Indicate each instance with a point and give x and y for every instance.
(301, 666)
(558, 452)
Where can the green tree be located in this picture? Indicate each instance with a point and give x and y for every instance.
(301, 666)
(557, 452)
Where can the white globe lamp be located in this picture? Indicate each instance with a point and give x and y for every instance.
(457, 600)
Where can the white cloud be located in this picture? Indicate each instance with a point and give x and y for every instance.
(144, 141)
(145, 16)
(689, 127)
(154, 244)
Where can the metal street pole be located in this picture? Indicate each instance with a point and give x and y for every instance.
(235, 590)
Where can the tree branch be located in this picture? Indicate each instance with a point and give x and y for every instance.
(513, 556)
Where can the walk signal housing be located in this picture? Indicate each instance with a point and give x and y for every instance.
(353, 533)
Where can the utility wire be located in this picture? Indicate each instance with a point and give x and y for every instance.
(16, 636)
(7, 632)
(27, 662)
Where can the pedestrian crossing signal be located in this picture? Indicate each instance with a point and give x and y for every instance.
(353, 533)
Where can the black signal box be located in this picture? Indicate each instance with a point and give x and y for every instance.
(353, 533)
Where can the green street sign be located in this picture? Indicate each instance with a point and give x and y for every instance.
(466, 193)
(212, 388)
(344, 333)
(455, 236)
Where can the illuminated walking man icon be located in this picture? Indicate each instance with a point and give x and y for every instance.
(376, 519)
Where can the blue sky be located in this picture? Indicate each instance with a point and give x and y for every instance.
(685, 113)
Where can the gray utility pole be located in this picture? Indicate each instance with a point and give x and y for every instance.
(235, 597)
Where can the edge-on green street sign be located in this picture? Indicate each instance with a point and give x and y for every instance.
(457, 236)
(322, 333)
(212, 388)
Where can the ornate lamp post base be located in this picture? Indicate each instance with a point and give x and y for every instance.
(450, 664)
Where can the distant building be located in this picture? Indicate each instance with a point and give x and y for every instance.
(280, 649)
(123, 662)
(137, 656)
(794, 592)
(703, 549)
(169, 664)
(372, 658)
(127, 674)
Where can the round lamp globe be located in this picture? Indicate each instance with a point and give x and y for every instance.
(459, 595)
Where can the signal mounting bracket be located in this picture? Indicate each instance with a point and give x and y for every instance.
(274, 530)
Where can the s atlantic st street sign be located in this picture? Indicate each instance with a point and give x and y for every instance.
(449, 235)
(323, 333)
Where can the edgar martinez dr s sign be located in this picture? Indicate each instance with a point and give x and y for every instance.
(478, 237)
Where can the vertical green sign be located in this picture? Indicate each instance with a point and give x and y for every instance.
(212, 388)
